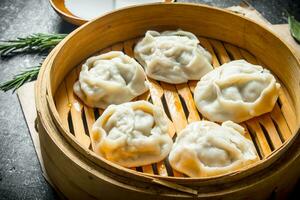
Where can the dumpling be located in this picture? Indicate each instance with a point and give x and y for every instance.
(110, 78)
(236, 91)
(132, 134)
(173, 56)
(205, 149)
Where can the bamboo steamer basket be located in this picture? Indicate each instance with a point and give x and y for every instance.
(64, 121)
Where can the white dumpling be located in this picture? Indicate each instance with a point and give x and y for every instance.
(132, 134)
(236, 91)
(110, 78)
(205, 149)
(173, 56)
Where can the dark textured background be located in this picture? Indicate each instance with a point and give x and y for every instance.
(20, 173)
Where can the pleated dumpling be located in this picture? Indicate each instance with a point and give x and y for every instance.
(132, 134)
(110, 78)
(205, 149)
(173, 56)
(236, 91)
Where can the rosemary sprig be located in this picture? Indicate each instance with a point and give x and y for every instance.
(18, 80)
(294, 27)
(39, 42)
(35, 43)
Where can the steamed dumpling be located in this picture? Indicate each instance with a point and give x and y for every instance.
(236, 91)
(206, 149)
(132, 134)
(173, 56)
(110, 78)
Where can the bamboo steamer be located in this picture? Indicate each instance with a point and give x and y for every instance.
(64, 121)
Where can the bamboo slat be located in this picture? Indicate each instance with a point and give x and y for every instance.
(62, 104)
(76, 110)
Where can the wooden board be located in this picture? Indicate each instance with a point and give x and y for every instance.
(268, 132)
(26, 98)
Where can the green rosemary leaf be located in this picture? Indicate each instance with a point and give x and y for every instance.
(294, 27)
(38, 42)
(18, 80)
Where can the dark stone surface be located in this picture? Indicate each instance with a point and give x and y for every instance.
(20, 173)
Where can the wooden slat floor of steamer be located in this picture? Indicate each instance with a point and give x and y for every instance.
(70, 109)
(268, 131)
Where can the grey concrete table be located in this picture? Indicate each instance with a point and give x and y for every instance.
(20, 173)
